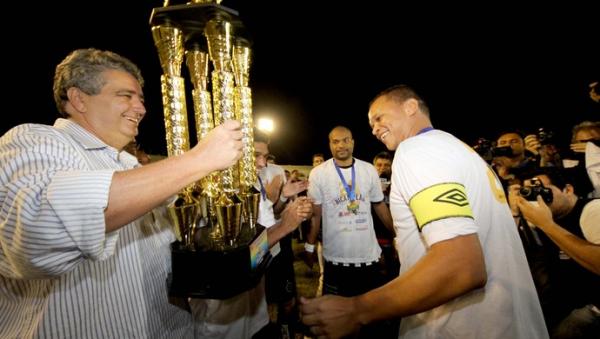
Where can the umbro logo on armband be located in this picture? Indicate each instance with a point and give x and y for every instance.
(440, 201)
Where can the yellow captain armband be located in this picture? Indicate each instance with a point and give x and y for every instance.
(440, 201)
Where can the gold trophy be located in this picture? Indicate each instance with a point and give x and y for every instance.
(243, 111)
(197, 62)
(228, 207)
(215, 219)
(168, 40)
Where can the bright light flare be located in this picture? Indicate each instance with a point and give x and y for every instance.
(266, 125)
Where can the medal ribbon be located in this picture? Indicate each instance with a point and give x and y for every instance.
(263, 191)
(350, 192)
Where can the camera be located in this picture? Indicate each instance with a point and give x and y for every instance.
(536, 188)
(505, 151)
(483, 147)
(544, 136)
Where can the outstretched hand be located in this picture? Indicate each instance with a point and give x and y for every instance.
(329, 316)
(297, 211)
(293, 187)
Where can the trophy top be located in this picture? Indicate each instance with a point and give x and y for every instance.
(192, 18)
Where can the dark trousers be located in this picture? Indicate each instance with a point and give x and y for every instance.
(350, 281)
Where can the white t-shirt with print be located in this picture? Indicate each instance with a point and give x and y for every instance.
(348, 237)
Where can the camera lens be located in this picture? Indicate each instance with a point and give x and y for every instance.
(544, 136)
(525, 192)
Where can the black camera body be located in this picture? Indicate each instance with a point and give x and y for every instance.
(483, 147)
(545, 137)
(536, 188)
(487, 150)
(505, 151)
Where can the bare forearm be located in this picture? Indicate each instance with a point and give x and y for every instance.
(291, 217)
(450, 269)
(383, 213)
(135, 192)
(279, 206)
(277, 232)
(583, 252)
(315, 225)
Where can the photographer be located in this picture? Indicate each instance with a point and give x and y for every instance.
(565, 266)
(585, 147)
(511, 159)
(541, 144)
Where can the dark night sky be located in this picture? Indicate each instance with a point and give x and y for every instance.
(316, 66)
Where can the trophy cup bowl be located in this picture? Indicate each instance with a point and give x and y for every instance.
(185, 218)
(250, 203)
(229, 221)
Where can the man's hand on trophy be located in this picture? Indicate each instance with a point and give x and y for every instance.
(222, 146)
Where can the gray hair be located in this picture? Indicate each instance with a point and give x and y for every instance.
(83, 69)
(593, 127)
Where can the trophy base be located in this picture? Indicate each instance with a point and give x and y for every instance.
(218, 272)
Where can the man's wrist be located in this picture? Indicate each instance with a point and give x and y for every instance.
(310, 248)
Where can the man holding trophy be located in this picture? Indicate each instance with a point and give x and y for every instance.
(79, 256)
(82, 253)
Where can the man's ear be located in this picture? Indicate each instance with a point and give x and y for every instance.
(569, 189)
(76, 99)
(411, 106)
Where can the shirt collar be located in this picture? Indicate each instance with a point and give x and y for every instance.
(91, 142)
(80, 134)
(347, 166)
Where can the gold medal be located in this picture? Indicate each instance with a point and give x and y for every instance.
(353, 206)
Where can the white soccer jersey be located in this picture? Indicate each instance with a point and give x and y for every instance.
(508, 306)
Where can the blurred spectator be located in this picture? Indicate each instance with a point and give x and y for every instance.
(318, 158)
(579, 162)
(134, 149)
